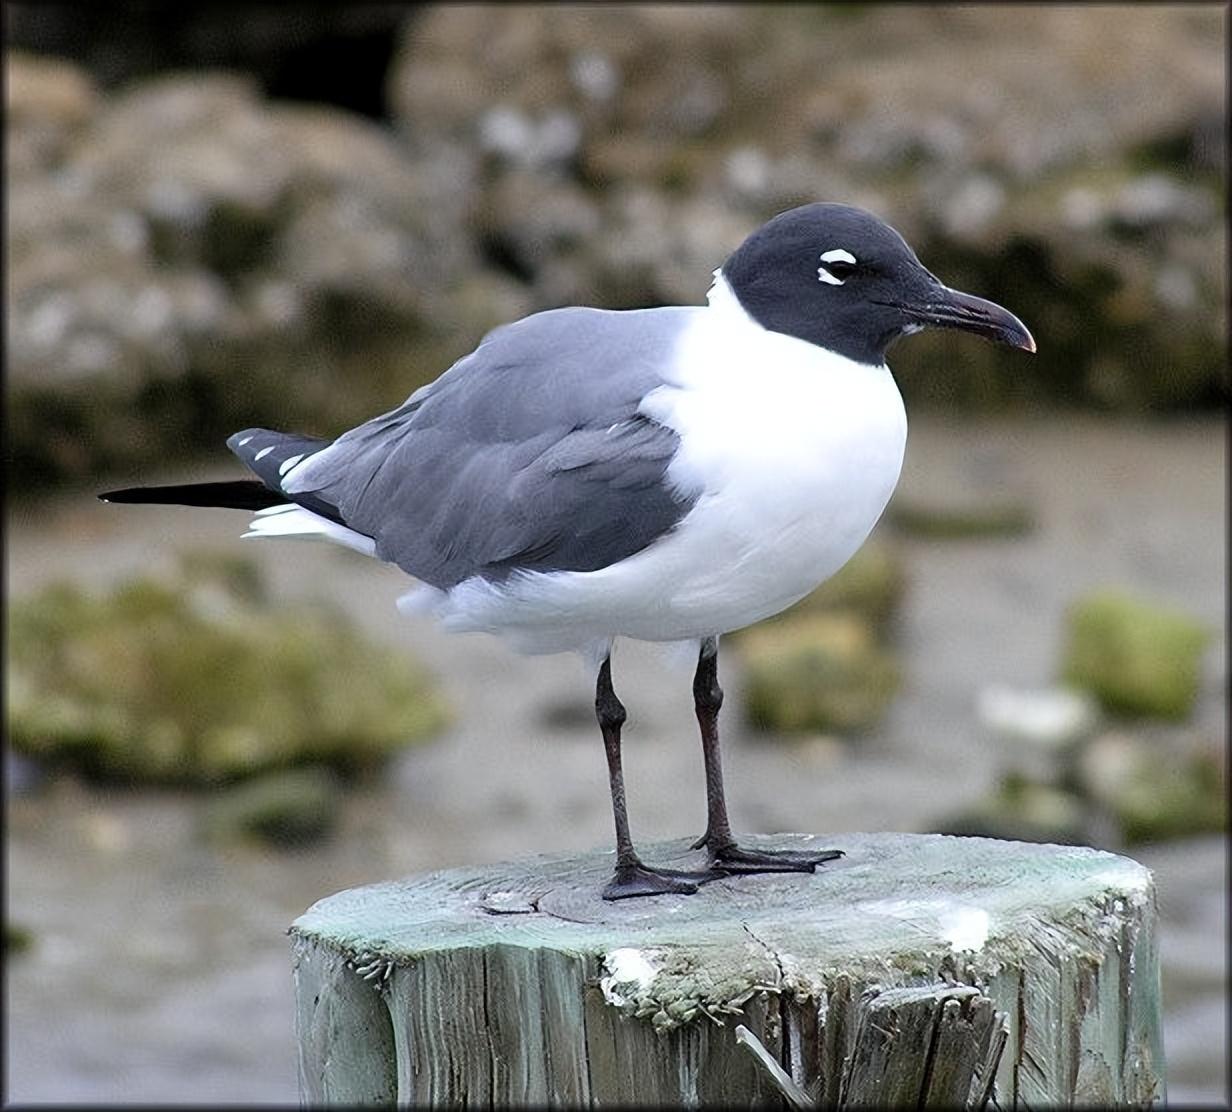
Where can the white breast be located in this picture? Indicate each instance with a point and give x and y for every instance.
(792, 452)
(796, 452)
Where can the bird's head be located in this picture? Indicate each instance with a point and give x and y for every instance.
(836, 276)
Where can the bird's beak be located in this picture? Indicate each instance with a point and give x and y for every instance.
(947, 308)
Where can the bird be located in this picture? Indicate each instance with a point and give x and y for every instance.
(666, 474)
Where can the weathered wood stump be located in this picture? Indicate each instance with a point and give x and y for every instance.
(919, 969)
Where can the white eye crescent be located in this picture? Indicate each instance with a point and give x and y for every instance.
(836, 255)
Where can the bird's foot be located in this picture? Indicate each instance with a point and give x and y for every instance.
(638, 879)
(728, 857)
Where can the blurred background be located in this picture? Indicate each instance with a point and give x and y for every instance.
(294, 215)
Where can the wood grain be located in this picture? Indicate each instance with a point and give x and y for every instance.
(917, 970)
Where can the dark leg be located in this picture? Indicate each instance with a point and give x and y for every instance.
(707, 700)
(725, 854)
(633, 878)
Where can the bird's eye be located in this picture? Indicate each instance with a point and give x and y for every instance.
(836, 267)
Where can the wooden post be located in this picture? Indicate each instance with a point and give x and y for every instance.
(917, 970)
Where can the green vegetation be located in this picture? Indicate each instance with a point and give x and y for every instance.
(819, 672)
(1173, 799)
(199, 682)
(1153, 792)
(1023, 811)
(1119, 790)
(292, 808)
(823, 664)
(870, 586)
(17, 939)
(993, 519)
(1137, 658)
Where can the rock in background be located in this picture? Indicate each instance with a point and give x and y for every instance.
(1136, 657)
(828, 665)
(198, 680)
(1066, 161)
(331, 53)
(188, 256)
(1113, 757)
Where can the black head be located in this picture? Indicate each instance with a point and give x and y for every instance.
(842, 279)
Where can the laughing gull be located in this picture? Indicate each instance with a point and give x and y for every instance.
(666, 474)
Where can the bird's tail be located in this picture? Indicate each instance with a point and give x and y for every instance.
(272, 455)
(240, 494)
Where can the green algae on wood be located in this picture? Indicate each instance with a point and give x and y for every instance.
(516, 983)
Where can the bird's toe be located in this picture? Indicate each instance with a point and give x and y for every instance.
(735, 859)
(642, 880)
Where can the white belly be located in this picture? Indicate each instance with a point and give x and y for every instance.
(793, 453)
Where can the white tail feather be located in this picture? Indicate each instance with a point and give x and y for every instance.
(295, 521)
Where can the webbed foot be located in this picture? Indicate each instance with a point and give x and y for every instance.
(728, 857)
(638, 879)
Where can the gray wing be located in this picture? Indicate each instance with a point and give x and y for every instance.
(529, 453)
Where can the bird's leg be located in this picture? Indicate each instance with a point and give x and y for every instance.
(633, 877)
(725, 854)
(707, 699)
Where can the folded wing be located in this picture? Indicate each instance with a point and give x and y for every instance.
(528, 454)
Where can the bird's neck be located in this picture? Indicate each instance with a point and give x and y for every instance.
(730, 315)
(725, 305)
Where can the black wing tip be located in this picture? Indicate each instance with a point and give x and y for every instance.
(238, 494)
(233, 441)
(128, 494)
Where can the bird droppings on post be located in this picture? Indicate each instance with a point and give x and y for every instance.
(627, 966)
(1125, 875)
(963, 926)
(966, 928)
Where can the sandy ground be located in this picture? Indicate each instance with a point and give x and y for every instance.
(160, 970)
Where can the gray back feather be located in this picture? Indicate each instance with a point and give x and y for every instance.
(529, 453)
